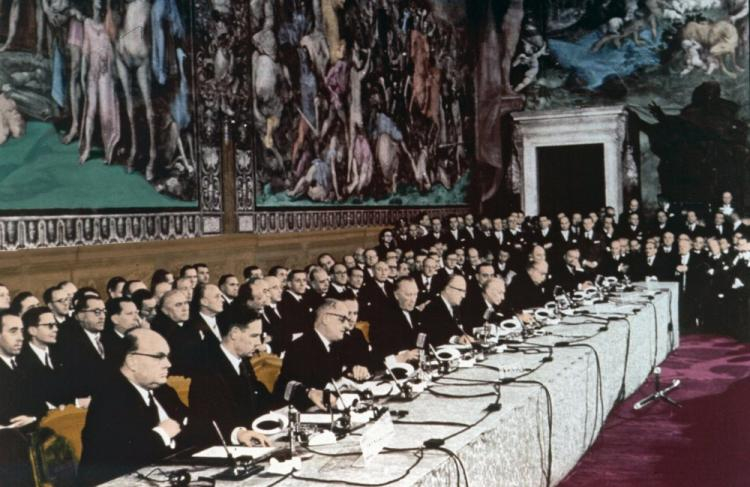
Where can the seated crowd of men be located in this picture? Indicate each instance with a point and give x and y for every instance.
(112, 353)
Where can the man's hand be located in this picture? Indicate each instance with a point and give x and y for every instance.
(681, 268)
(422, 306)
(465, 340)
(21, 421)
(83, 402)
(316, 396)
(251, 438)
(170, 427)
(407, 356)
(526, 318)
(360, 373)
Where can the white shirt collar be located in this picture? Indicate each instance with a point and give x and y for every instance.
(326, 342)
(227, 298)
(234, 360)
(338, 288)
(93, 338)
(296, 296)
(40, 352)
(447, 305)
(7, 360)
(146, 396)
(211, 322)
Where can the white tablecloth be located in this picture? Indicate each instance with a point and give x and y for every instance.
(511, 447)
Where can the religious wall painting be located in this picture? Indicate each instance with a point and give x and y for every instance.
(96, 106)
(359, 103)
(680, 66)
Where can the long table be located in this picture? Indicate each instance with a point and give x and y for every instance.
(548, 419)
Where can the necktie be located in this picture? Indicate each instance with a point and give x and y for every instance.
(13, 365)
(408, 318)
(99, 346)
(47, 361)
(153, 410)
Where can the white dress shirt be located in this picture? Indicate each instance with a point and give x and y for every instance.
(146, 395)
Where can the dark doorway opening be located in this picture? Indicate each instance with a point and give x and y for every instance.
(571, 178)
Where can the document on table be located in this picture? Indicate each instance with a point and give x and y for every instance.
(236, 451)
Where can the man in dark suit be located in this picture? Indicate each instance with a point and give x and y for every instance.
(272, 313)
(427, 282)
(491, 299)
(591, 244)
(338, 288)
(469, 233)
(563, 238)
(226, 389)
(40, 359)
(570, 275)
(394, 335)
(454, 238)
(19, 407)
(56, 298)
(690, 273)
(376, 294)
(440, 318)
(295, 316)
(720, 228)
(320, 283)
(450, 268)
(314, 359)
(434, 236)
(229, 286)
(123, 316)
(171, 323)
(668, 249)
(650, 266)
(613, 264)
(82, 350)
(355, 349)
(692, 227)
(527, 290)
(136, 419)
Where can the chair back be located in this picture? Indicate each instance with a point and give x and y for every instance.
(181, 385)
(267, 368)
(56, 446)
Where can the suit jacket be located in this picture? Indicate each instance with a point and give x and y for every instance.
(17, 394)
(356, 351)
(392, 333)
(427, 293)
(218, 393)
(659, 268)
(192, 342)
(273, 327)
(431, 239)
(46, 384)
(163, 325)
(372, 300)
(114, 347)
(439, 324)
(469, 236)
(295, 316)
(85, 370)
(307, 362)
(524, 294)
(486, 242)
(568, 280)
(118, 437)
(610, 267)
(455, 242)
(473, 312)
(334, 293)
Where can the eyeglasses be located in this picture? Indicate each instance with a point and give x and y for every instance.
(97, 312)
(342, 318)
(61, 300)
(49, 325)
(463, 291)
(157, 356)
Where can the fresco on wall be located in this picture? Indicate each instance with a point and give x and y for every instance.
(96, 105)
(360, 103)
(655, 56)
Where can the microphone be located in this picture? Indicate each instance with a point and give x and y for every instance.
(421, 340)
(237, 470)
(406, 391)
(291, 386)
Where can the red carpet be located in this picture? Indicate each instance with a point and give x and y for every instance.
(705, 443)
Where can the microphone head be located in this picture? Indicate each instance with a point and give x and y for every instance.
(421, 340)
(289, 390)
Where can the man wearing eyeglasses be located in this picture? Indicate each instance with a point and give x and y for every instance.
(135, 419)
(226, 389)
(82, 349)
(440, 317)
(58, 301)
(315, 359)
(40, 358)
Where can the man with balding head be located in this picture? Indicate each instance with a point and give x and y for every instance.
(273, 315)
(338, 288)
(208, 302)
(313, 360)
(441, 318)
(135, 419)
(527, 289)
(320, 283)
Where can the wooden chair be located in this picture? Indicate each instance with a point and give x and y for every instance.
(181, 385)
(267, 368)
(56, 447)
(364, 327)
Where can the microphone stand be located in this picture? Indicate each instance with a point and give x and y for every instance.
(405, 389)
(659, 393)
(343, 425)
(240, 468)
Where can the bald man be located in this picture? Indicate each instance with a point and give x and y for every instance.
(136, 419)
(492, 299)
